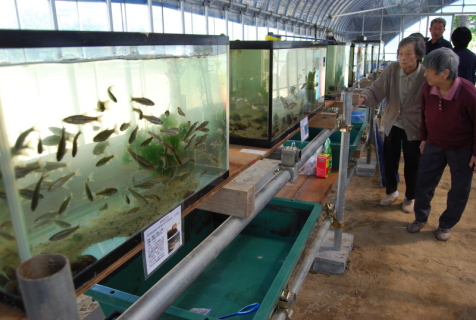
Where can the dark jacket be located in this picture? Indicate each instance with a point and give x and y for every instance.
(441, 43)
(467, 63)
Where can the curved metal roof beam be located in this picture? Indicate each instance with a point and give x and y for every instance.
(329, 22)
(317, 5)
(323, 13)
(343, 21)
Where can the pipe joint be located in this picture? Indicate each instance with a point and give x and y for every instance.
(345, 127)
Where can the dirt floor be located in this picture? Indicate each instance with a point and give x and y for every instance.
(392, 274)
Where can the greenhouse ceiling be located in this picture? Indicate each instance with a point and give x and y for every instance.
(347, 19)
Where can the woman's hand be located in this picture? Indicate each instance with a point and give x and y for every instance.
(361, 101)
(472, 162)
(422, 146)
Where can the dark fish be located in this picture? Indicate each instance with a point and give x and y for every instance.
(104, 135)
(104, 207)
(139, 111)
(203, 125)
(63, 234)
(138, 197)
(6, 236)
(89, 194)
(143, 163)
(45, 218)
(107, 192)
(190, 142)
(133, 210)
(185, 176)
(133, 135)
(190, 131)
(64, 205)
(62, 224)
(204, 171)
(100, 147)
(180, 112)
(146, 142)
(156, 137)
(143, 101)
(39, 147)
(61, 181)
(125, 125)
(28, 194)
(175, 155)
(22, 137)
(75, 144)
(202, 139)
(153, 119)
(61, 147)
(20, 172)
(145, 185)
(36, 194)
(171, 131)
(81, 119)
(103, 161)
(128, 201)
(152, 196)
(111, 96)
(167, 113)
(204, 130)
(102, 106)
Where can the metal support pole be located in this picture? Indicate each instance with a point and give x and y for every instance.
(151, 15)
(371, 133)
(343, 164)
(182, 15)
(207, 6)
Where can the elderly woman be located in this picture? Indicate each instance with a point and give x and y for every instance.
(400, 84)
(448, 120)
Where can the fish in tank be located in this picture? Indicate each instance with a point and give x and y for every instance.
(272, 87)
(337, 71)
(103, 140)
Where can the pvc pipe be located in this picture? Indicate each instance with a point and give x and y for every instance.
(47, 288)
(160, 296)
(343, 164)
(312, 146)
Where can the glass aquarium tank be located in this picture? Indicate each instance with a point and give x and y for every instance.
(360, 55)
(113, 131)
(337, 69)
(273, 86)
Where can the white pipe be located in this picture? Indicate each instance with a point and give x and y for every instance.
(368, 10)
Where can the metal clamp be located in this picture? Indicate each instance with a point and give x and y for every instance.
(280, 168)
(363, 138)
(329, 212)
(345, 127)
(290, 155)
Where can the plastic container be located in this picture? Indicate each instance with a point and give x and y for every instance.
(358, 116)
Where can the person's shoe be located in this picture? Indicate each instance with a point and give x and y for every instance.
(442, 234)
(388, 200)
(415, 226)
(407, 205)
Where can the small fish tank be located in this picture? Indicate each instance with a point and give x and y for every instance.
(337, 69)
(102, 134)
(357, 56)
(376, 55)
(273, 86)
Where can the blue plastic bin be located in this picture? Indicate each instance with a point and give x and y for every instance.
(358, 116)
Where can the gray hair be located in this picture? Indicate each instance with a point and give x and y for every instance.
(438, 20)
(418, 44)
(442, 59)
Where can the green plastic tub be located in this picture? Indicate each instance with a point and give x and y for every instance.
(254, 268)
(355, 135)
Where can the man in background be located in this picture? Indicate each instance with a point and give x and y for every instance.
(437, 28)
(461, 37)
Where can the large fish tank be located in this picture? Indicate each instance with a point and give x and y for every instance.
(337, 69)
(273, 86)
(360, 67)
(102, 134)
(376, 55)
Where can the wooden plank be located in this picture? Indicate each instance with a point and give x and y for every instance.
(235, 199)
(325, 120)
(290, 189)
(316, 189)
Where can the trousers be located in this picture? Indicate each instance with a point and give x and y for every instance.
(392, 149)
(432, 165)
